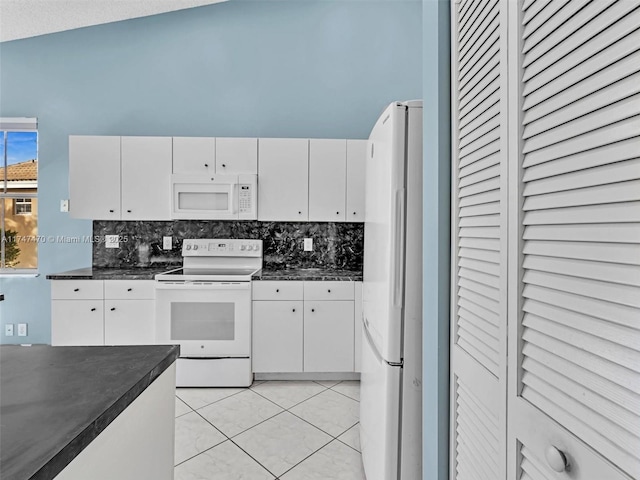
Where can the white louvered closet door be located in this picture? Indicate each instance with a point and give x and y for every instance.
(574, 222)
(479, 261)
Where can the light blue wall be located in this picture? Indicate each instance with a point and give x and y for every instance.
(242, 68)
(437, 191)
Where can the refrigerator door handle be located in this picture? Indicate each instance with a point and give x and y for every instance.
(397, 268)
(374, 349)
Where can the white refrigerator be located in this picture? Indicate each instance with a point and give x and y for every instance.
(391, 378)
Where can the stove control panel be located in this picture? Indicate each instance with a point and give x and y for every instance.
(221, 247)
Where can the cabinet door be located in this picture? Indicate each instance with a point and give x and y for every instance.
(277, 336)
(356, 164)
(129, 322)
(357, 327)
(94, 177)
(327, 180)
(283, 179)
(194, 155)
(328, 336)
(77, 322)
(146, 178)
(236, 156)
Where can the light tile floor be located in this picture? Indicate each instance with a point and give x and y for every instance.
(289, 430)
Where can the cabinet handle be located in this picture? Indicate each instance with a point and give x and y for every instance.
(76, 289)
(206, 165)
(224, 166)
(129, 289)
(337, 213)
(111, 211)
(277, 290)
(93, 309)
(329, 290)
(354, 213)
(556, 459)
(299, 213)
(293, 310)
(113, 309)
(128, 211)
(313, 309)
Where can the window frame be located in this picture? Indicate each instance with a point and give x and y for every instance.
(8, 125)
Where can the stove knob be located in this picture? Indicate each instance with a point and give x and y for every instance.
(195, 247)
(242, 247)
(188, 247)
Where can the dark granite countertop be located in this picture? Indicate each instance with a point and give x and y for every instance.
(308, 274)
(111, 273)
(55, 400)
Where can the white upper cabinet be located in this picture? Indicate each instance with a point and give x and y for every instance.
(327, 180)
(236, 156)
(356, 163)
(283, 173)
(194, 155)
(146, 178)
(94, 177)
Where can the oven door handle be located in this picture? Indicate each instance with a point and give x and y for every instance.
(217, 286)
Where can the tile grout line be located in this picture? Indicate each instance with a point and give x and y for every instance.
(215, 401)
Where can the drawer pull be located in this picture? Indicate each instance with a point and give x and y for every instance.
(329, 290)
(224, 166)
(76, 289)
(93, 309)
(128, 211)
(206, 165)
(111, 211)
(293, 310)
(556, 459)
(313, 309)
(337, 213)
(277, 290)
(129, 289)
(113, 309)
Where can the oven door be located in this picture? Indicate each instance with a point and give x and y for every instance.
(207, 319)
(212, 198)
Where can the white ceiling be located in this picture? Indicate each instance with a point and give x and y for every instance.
(29, 18)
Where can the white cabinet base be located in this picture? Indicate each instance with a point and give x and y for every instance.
(138, 444)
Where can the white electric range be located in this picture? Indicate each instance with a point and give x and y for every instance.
(205, 307)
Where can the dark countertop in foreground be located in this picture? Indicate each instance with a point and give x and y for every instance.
(55, 400)
(111, 273)
(308, 274)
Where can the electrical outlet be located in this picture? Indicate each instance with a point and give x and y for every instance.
(8, 329)
(308, 244)
(22, 329)
(111, 241)
(167, 243)
(64, 205)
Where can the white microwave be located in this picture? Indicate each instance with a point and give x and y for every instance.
(214, 197)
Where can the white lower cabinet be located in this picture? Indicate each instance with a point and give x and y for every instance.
(328, 336)
(77, 322)
(129, 322)
(277, 336)
(97, 312)
(303, 327)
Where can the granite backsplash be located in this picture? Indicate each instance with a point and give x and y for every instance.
(335, 245)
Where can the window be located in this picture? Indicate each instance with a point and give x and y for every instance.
(22, 206)
(18, 195)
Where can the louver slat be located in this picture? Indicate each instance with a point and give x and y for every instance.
(478, 38)
(599, 194)
(533, 469)
(538, 19)
(602, 252)
(608, 233)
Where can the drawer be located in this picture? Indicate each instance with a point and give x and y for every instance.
(129, 289)
(282, 290)
(328, 290)
(77, 289)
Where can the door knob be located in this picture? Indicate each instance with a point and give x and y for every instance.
(556, 459)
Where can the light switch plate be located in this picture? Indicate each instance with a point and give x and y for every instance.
(64, 205)
(8, 329)
(167, 243)
(111, 241)
(308, 244)
(22, 329)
